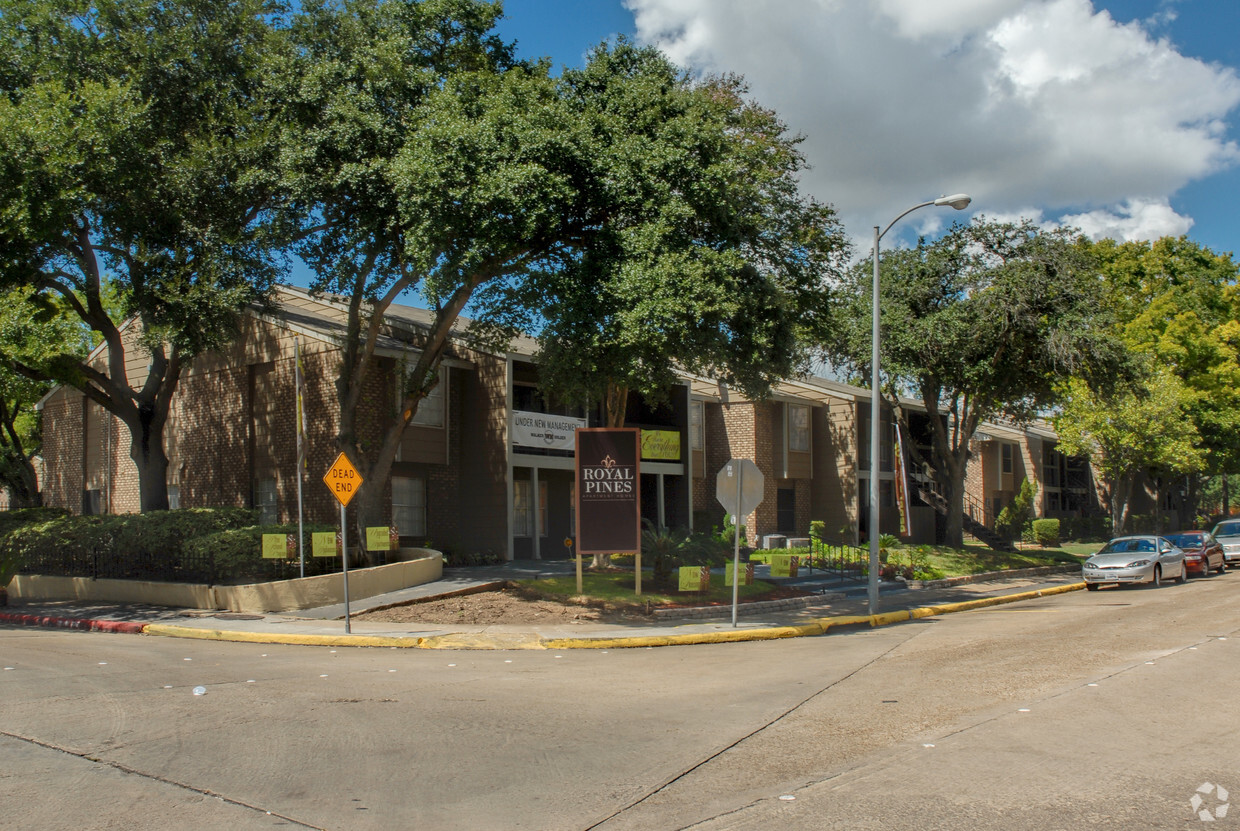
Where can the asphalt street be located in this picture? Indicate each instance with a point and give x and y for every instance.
(984, 719)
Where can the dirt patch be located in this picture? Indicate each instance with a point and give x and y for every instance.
(497, 606)
(511, 605)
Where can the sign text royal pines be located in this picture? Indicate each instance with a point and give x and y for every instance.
(607, 477)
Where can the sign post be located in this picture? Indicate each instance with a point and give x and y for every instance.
(568, 543)
(343, 480)
(738, 487)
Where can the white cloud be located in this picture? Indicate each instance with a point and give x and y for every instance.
(1136, 219)
(1031, 106)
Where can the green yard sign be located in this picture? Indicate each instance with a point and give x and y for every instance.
(746, 572)
(323, 544)
(784, 565)
(694, 578)
(275, 546)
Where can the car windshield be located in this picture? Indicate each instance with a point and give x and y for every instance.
(1227, 529)
(1127, 546)
(1186, 540)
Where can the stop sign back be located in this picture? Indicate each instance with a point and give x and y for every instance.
(739, 486)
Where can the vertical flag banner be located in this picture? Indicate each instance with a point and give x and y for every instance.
(609, 515)
(901, 482)
(299, 382)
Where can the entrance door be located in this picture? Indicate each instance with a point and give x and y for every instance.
(786, 511)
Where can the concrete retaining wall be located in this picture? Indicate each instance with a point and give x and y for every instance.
(424, 566)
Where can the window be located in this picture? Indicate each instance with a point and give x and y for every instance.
(174, 497)
(1006, 458)
(432, 408)
(266, 501)
(572, 509)
(409, 505)
(798, 428)
(522, 509)
(92, 502)
(697, 425)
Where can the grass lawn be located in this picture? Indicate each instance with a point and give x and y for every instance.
(1082, 549)
(976, 558)
(615, 589)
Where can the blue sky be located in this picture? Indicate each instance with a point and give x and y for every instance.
(1118, 117)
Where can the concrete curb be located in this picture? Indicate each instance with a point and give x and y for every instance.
(515, 641)
(47, 621)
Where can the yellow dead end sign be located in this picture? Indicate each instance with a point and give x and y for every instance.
(343, 480)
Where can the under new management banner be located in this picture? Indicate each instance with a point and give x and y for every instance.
(549, 432)
(609, 513)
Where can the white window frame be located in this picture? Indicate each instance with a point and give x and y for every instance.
(794, 431)
(409, 506)
(436, 416)
(522, 508)
(267, 500)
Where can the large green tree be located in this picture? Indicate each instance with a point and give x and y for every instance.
(424, 159)
(710, 261)
(136, 148)
(31, 331)
(431, 161)
(985, 322)
(1177, 305)
(1143, 425)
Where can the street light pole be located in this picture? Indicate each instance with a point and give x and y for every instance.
(959, 201)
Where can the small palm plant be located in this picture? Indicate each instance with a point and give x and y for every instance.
(663, 547)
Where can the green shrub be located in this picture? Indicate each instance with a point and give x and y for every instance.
(1046, 532)
(1014, 519)
(237, 554)
(818, 530)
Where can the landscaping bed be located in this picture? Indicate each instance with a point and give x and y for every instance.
(609, 597)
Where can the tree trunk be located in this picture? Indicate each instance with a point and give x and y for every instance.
(146, 448)
(953, 532)
(1191, 506)
(24, 486)
(148, 455)
(1159, 490)
(1226, 498)
(1120, 493)
(369, 513)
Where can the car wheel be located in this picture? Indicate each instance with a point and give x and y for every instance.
(1222, 566)
(1156, 580)
(1183, 576)
(1091, 587)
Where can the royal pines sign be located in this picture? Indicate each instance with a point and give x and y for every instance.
(608, 490)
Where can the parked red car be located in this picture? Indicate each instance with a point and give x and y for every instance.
(1202, 553)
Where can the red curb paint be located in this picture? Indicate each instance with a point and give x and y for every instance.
(118, 626)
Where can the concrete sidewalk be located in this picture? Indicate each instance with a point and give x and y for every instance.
(323, 626)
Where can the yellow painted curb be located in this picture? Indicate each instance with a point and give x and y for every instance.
(521, 641)
(290, 639)
(816, 627)
(482, 640)
(889, 617)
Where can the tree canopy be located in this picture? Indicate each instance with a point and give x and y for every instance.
(135, 147)
(707, 258)
(985, 322)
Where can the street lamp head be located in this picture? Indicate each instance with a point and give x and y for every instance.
(959, 201)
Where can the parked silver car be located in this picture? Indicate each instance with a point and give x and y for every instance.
(1228, 533)
(1136, 559)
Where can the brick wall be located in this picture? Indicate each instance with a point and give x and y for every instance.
(62, 450)
(833, 495)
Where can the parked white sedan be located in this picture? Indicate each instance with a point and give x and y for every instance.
(1136, 559)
